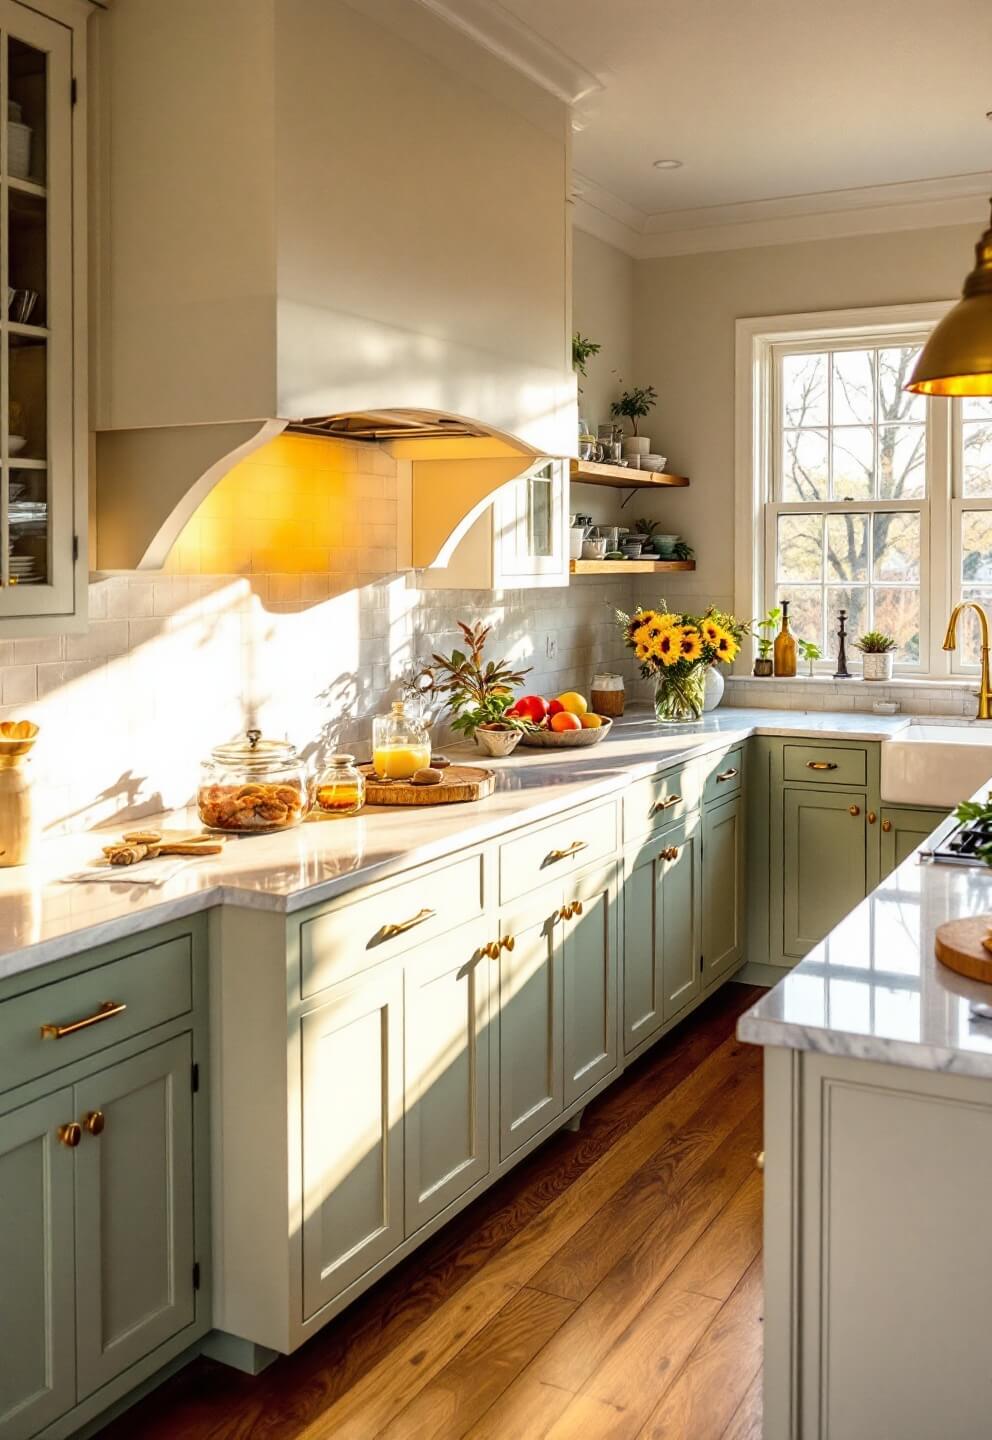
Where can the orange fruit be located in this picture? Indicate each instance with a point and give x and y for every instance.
(575, 703)
(565, 720)
(591, 722)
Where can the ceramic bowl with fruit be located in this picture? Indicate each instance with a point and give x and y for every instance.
(565, 723)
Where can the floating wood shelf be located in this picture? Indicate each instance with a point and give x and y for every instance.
(619, 477)
(627, 567)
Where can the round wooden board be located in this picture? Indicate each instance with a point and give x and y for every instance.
(459, 783)
(958, 945)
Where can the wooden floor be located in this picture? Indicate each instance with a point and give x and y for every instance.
(609, 1287)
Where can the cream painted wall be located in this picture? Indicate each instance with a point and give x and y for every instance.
(685, 309)
(603, 310)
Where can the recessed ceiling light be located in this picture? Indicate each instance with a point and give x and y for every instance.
(668, 164)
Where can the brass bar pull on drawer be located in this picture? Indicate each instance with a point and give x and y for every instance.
(388, 931)
(572, 849)
(821, 765)
(666, 804)
(727, 774)
(107, 1010)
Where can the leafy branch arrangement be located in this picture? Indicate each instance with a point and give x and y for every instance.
(810, 652)
(768, 626)
(479, 691)
(635, 404)
(583, 349)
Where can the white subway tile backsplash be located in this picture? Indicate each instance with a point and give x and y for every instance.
(19, 684)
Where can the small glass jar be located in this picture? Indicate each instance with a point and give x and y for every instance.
(253, 786)
(341, 787)
(401, 744)
(607, 694)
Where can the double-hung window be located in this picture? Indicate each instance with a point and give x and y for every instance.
(862, 497)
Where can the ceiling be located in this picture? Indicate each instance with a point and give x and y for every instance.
(768, 99)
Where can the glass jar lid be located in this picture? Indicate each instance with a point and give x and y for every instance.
(607, 680)
(253, 753)
(340, 762)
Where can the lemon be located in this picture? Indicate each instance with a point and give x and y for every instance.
(573, 702)
(591, 722)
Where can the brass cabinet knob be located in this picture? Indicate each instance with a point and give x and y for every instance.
(94, 1122)
(565, 913)
(670, 852)
(854, 810)
(507, 942)
(886, 826)
(491, 949)
(871, 817)
(70, 1134)
(576, 907)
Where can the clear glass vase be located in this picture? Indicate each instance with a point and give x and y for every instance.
(678, 699)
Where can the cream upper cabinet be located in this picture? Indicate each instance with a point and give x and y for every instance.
(43, 320)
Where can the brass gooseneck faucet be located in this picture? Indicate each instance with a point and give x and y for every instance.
(950, 643)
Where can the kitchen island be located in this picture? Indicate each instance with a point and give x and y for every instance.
(878, 1172)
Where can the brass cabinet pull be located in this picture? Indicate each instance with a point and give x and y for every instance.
(821, 765)
(572, 849)
(94, 1121)
(727, 774)
(507, 942)
(872, 817)
(670, 852)
(576, 907)
(565, 913)
(491, 950)
(107, 1010)
(886, 826)
(400, 928)
(70, 1134)
(854, 809)
(666, 804)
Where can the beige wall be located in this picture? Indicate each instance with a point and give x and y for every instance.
(603, 310)
(685, 310)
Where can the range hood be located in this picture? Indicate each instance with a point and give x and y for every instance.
(279, 245)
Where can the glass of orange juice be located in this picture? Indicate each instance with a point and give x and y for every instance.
(401, 744)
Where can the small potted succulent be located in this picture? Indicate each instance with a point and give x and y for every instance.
(810, 652)
(877, 653)
(479, 693)
(763, 665)
(634, 405)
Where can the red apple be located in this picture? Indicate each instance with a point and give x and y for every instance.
(533, 707)
(555, 707)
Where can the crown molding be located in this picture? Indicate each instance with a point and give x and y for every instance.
(503, 35)
(870, 210)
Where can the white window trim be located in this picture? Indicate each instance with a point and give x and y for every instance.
(756, 339)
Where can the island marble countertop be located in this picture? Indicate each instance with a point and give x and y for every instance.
(44, 918)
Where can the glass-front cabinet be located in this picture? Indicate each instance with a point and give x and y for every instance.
(41, 458)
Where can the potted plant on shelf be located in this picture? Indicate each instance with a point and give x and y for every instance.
(676, 651)
(479, 693)
(877, 654)
(810, 652)
(766, 639)
(634, 405)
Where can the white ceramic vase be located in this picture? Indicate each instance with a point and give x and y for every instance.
(637, 445)
(713, 687)
(877, 666)
(498, 743)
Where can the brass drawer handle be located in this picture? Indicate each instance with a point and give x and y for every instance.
(491, 950)
(727, 774)
(507, 942)
(821, 765)
(666, 804)
(871, 817)
(572, 849)
(854, 809)
(886, 826)
(107, 1010)
(576, 907)
(95, 1122)
(389, 931)
(565, 913)
(671, 852)
(70, 1134)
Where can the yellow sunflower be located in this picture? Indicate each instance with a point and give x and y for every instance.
(726, 647)
(643, 651)
(692, 644)
(640, 622)
(711, 631)
(668, 620)
(667, 646)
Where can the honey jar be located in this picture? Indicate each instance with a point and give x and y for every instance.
(341, 787)
(607, 694)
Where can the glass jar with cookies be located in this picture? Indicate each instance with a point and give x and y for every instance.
(253, 786)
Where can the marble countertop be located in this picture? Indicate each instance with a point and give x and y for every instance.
(43, 918)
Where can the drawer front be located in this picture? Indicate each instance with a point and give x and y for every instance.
(533, 858)
(723, 775)
(659, 801)
(128, 995)
(351, 934)
(826, 764)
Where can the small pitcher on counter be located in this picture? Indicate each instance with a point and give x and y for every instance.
(17, 739)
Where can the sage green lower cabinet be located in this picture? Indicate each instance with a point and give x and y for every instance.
(352, 1104)
(722, 889)
(447, 1013)
(825, 862)
(590, 981)
(37, 1267)
(531, 1020)
(662, 899)
(903, 829)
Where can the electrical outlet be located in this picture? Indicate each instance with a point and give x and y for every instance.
(551, 647)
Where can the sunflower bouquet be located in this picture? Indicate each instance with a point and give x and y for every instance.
(676, 650)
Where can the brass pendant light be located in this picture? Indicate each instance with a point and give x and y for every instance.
(957, 359)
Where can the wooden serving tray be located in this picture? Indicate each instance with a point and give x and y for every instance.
(958, 945)
(458, 783)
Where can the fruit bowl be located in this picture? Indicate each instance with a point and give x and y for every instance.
(566, 739)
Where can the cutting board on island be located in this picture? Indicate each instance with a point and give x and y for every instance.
(458, 784)
(960, 946)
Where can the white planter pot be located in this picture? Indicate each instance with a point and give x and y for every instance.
(498, 743)
(877, 667)
(713, 687)
(637, 445)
